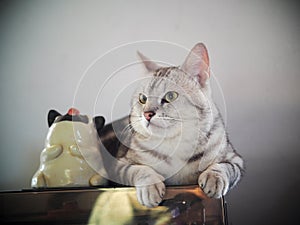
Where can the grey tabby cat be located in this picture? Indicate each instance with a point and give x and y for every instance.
(175, 134)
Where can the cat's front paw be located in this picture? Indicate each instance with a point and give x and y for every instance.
(151, 195)
(150, 188)
(213, 182)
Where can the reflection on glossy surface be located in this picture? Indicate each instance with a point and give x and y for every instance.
(182, 205)
(117, 206)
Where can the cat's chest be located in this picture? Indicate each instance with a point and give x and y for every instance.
(171, 163)
(178, 147)
(164, 155)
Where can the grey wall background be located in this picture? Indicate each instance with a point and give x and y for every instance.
(46, 46)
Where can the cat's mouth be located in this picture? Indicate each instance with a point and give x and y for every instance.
(162, 122)
(153, 124)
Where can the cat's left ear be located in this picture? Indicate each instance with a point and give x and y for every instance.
(150, 65)
(197, 63)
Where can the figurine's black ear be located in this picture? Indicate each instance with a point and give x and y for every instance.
(99, 123)
(52, 114)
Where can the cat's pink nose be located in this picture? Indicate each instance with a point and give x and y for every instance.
(149, 114)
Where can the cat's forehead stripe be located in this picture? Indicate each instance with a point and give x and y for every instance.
(164, 71)
(161, 75)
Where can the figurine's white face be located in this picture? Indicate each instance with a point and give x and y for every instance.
(70, 133)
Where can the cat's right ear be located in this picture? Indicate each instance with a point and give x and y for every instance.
(149, 65)
(52, 114)
(197, 63)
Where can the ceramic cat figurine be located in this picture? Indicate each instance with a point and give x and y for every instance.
(62, 163)
(176, 134)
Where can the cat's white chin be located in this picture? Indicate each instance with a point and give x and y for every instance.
(157, 128)
(159, 125)
(160, 129)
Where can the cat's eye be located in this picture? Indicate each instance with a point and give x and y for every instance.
(142, 99)
(170, 96)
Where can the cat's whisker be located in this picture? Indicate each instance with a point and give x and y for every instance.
(125, 130)
(129, 128)
(177, 119)
(135, 115)
(170, 118)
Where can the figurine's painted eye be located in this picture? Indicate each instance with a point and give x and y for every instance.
(143, 99)
(170, 96)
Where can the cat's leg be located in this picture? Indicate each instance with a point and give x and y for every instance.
(150, 187)
(219, 177)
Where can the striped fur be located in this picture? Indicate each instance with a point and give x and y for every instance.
(185, 142)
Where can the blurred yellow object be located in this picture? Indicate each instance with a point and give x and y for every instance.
(62, 163)
(120, 208)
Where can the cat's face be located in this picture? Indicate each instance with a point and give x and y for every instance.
(163, 105)
(171, 98)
